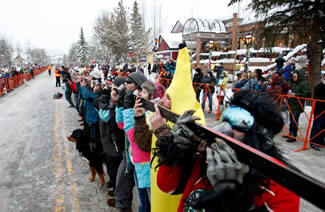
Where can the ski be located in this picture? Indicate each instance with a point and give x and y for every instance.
(303, 185)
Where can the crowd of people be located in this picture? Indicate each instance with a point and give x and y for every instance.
(173, 167)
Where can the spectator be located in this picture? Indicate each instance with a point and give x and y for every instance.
(218, 69)
(66, 78)
(299, 89)
(92, 117)
(170, 66)
(222, 84)
(242, 81)
(165, 77)
(125, 174)
(57, 77)
(252, 82)
(112, 138)
(197, 79)
(149, 69)
(319, 122)
(209, 82)
(279, 63)
(289, 69)
(141, 159)
(274, 88)
(284, 85)
(155, 68)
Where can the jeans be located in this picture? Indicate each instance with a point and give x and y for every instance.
(76, 98)
(143, 197)
(68, 93)
(279, 69)
(207, 94)
(293, 127)
(318, 125)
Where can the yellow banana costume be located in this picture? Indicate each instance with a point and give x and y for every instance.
(183, 98)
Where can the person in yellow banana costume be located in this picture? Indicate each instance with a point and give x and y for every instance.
(179, 97)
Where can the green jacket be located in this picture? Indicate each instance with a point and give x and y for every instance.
(301, 89)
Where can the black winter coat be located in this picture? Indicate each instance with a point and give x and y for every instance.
(112, 137)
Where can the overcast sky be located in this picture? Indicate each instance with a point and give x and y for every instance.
(55, 24)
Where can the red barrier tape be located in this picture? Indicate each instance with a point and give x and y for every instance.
(8, 84)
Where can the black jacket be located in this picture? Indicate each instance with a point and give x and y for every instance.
(112, 137)
(211, 81)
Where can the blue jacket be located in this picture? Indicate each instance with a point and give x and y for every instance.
(92, 116)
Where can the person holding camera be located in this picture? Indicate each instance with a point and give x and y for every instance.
(89, 94)
(141, 160)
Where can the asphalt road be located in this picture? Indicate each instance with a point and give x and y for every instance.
(42, 171)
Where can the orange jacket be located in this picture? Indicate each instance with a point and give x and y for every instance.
(57, 74)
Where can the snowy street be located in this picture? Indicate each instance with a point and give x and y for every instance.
(42, 171)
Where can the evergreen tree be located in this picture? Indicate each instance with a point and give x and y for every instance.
(113, 32)
(139, 36)
(303, 18)
(71, 58)
(120, 32)
(6, 51)
(82, 49)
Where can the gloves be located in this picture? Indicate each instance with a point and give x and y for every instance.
(224, 170)
(121, 98)
(129, 99)
(184, 137)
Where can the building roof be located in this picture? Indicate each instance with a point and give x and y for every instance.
(178, 27)
(172, 39)
(193, 25)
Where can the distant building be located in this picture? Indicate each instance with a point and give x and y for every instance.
(225, 35)
(167, 46)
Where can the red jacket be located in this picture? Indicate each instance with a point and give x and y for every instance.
(278, 199)
(169, 177)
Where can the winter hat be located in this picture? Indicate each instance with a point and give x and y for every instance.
(149, 86)
(138, 78)
(96, 74)
(119, 80)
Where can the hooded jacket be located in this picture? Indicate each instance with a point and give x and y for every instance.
(223, 81)
(274, 88)
(91, 113)
(301, 89)
(111, 136)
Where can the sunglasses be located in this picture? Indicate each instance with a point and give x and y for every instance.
(128, 81)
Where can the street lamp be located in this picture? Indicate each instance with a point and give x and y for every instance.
(210, 52)
(248, 41)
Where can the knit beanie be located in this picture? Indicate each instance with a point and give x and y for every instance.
(96, 74)
(138, 78)
(119, 80)
(149, 86)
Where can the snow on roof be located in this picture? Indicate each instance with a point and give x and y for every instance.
(295, 51)
(203, 25)
(172, 39)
